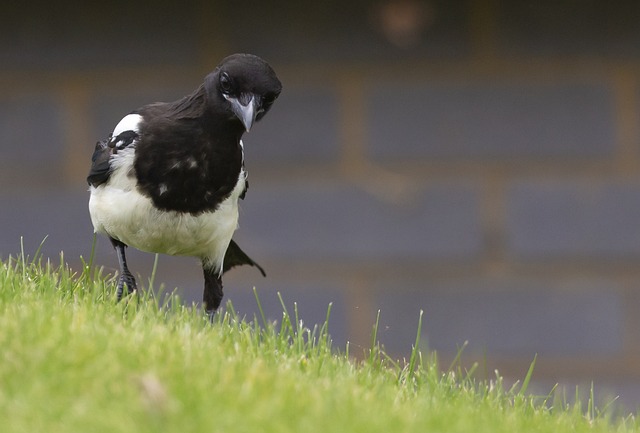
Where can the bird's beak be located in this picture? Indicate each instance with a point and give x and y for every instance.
(245, 108)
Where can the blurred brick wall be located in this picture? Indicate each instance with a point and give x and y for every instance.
(486, 173)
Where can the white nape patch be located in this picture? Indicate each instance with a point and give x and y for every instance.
(192, 162)
(162, 188)
(130, 122)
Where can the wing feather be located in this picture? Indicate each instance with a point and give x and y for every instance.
(104, 150)
(100, 164)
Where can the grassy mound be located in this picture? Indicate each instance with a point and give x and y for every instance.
(73, 360)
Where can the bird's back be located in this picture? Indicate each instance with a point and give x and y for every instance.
(181, 164)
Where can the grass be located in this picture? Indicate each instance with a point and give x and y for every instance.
(74, 360)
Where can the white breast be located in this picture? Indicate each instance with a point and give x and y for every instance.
(118, 210)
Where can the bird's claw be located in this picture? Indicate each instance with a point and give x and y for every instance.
(127, 279)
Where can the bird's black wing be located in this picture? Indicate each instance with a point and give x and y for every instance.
(236, 257)
(101, 159)
(100, 164)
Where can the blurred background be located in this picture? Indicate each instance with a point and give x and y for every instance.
(478, 160)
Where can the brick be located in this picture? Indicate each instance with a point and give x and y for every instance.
(551, 218)
(491, 120)
(302, 126)
(31, 131)
(109, 105)
(60, 214)
(554, 28)
(336, 221)
(343, 32)
(504, 318)
(168, 35)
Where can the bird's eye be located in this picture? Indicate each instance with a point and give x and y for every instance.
(268, 99)
(225, 83)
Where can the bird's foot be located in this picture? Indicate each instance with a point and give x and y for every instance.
(127, 279)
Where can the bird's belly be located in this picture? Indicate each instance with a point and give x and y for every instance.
(131, 218)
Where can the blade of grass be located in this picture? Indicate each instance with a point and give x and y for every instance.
(456, 360)
(416, 348)
(23, 259)
(262, 316)
(286, 326)
(527, 378)
(36, 256)
(324, 329)
(87, 268)
(591, 404)
(374, 348)
(152, 278)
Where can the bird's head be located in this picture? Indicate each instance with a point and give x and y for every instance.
(244, 86)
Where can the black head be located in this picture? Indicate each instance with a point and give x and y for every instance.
(244, 86)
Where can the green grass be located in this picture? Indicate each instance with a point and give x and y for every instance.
(75, 361)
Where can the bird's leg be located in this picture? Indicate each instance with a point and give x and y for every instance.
(125, 276)
(212, 296)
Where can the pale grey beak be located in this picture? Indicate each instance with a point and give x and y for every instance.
(245, 108)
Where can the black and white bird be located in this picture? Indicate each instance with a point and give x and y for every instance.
(168, 178)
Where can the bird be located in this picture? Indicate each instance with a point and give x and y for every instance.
(169, 177)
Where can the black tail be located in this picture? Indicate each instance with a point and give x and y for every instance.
(236, 257)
